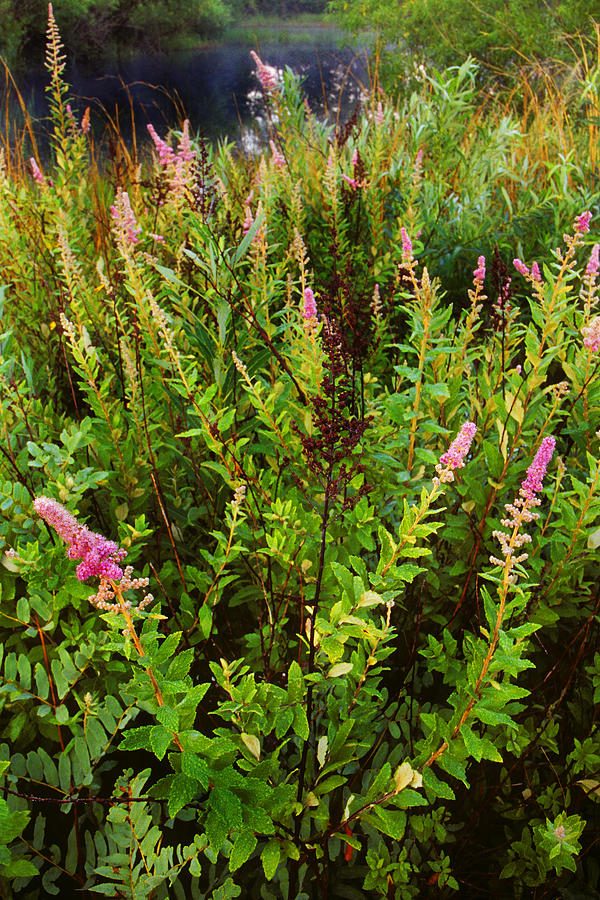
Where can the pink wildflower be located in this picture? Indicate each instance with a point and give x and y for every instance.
(309, 310)
(267, 75)
(352, 182)
(184, 147)
(582, 222)
(536, 471)
(126, 227)
(36, 172)
(479, 273)
(521, 267)
(594, 261)
(248, 218)
(454, 457)
(165, 153)
(535, 272)
(407, 250)
(379, 116)
(591, 335)
(354, 159)
(278, 158)
(85, 122)
(99, 556)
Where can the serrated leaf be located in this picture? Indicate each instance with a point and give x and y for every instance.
(243, 847)
(160, 738)
(301, 722)
(295, 683)
(195, 767)
(390, 822)
(183, 789)
(137, 738)
(180, 665)
(168, 717)
(270, 858)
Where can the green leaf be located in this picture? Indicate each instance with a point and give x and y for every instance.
(195, 767)
(243, 846)
(137, 738)
(183, 789)
(295, 683)
(160, 739)
(168, 717)
(340, 669)
(216, 830)
(270, 858)
(301, 722)
(227, 805)
(437, 787)
(19, 868)
(390, 822)
(180, 665)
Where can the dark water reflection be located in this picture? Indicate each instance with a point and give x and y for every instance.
(215, 87)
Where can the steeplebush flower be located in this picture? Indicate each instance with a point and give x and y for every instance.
(591, 334)
(521, 511)
(37, 172)
(309, 309)
(594, 261)
(582, 222)
(454, 457)
(267, 75)
(126, 229)
(479, 273)
(99, 556)
(407, 249)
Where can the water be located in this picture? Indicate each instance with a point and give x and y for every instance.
(215, 87)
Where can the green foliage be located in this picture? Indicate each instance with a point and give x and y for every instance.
(341, 675)
(495, 32)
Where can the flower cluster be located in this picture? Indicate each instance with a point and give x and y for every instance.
(533, 275)
(521, 511)
(99, 556)
(407, 250)
(479, 273)
(594, 261)
(582, 222)
(454, 457)
(267, 75)
(591, 334)
(125, 225)
(177, 167)
(309, 309)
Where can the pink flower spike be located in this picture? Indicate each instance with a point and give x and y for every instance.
(521, 267)
(379, 116)
(184, 147)
(267, 75)
(479, 273)
(36, 172)
(126, 227)
(535, 272)
(594, 261)
(591, 335)
(454, 457)
(407, 250)
(352, 182)
(582, 222)
(165, 153)
(309, 310)
(277, 156)
(99, 556)
(535, 473)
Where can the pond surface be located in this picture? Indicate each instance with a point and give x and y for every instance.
(215, 86)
